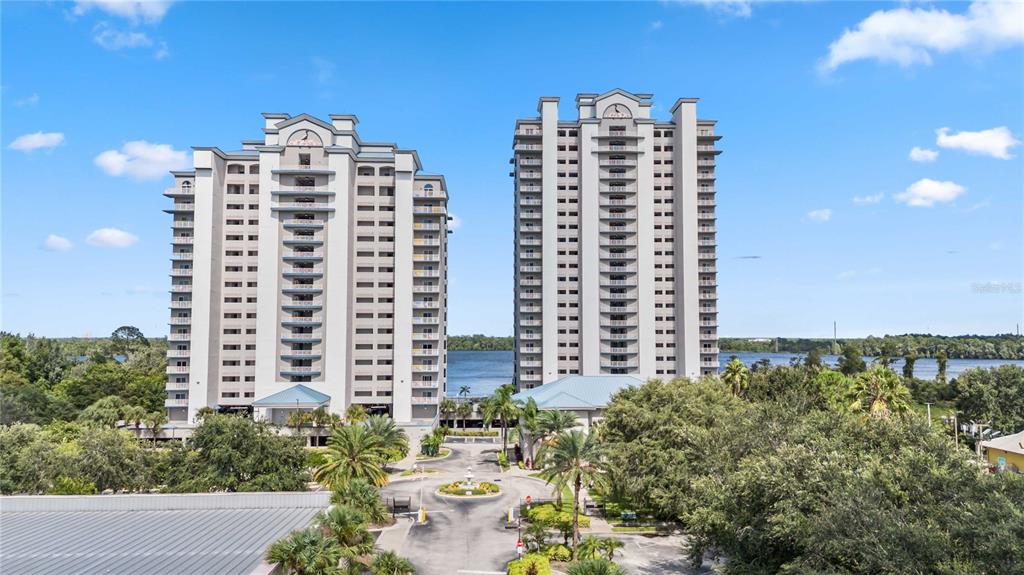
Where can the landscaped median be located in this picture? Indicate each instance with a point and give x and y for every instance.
(478, 489)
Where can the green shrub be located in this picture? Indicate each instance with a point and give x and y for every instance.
(540, 564)
(548, 514)
(471, 433)
(72, 486)
(482, 488)
(503, 461)
(315, 458)
(557, 553)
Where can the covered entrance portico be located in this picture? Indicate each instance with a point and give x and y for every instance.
(276, 407)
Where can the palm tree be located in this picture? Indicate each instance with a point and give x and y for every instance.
(134, 414)
(610, 545)
(464, 391)
(348, 528)
(589, 547)
(879, 390)
(500, 405)
(353, 451)
(356, 413)
(362, 496)
(595, 567)
(529, 417)
(553, 422)
(154, 421)
(390, 563)
(573, 460)
(447, 407)
(306, 552)
(464, 410)
(736, 375)
(393, 439)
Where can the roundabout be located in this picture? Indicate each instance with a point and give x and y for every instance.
(469, 488)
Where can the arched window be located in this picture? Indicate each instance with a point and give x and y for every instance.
(236, 169)
(254, 169)
(186, 187)
(366, 171)
(387, 171)
(428, 187)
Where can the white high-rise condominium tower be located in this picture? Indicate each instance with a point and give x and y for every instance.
(308, 270)
(614, 241)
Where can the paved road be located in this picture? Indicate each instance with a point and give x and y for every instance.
(466, 536)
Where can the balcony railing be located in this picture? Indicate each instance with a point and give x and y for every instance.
(185, 272)
(179, 336)
(180, 321)
(178, 352)
(187, 304)
(169, 402)
(426, 273)
(429, 352)
(426, 242)
(177, 369)
(183, 224)
(424, 384)
(429, 210)
(425, 320)
(417, 400)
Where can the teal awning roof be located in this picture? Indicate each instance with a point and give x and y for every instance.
(580, 392)
(297, 395)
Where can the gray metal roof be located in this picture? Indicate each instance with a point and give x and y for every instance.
(582, 392)
(228, 537)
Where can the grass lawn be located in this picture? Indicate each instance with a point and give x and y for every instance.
(938, 411)
(420, 471)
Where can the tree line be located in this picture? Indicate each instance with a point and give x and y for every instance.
(1005, 346)
(479, 342)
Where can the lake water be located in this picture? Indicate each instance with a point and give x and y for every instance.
(484, 371)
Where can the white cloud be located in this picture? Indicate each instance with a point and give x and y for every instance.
(113, 39)
(923, 155)
(142, 160)
(822, 215)
(734, 8)
(323, 70)
(925, 193)
(111, 238)
(57, 243)
(906, 36)
(37, 140)
(149, 11)
(657, 25)
(29, 102)
(995, 142)
(868, 200)
(454, 222)
(162, 51)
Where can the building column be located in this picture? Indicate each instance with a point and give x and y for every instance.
(549, 230)
(337, 311)
(590, 250)
(401, 375)
(687, 288)
(646, 368)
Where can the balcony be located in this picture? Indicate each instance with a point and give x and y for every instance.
(529, 377)
(706, 229)
(179, 337)
(302, 320)
(429, 210)
(530, 175)
(181, 256)
(530, 215)
(303, 170)
(184, 191)
(611, 162)
(530, 161)
(425, 367)
(530, 295)
(422, 335)
(178, 353)
(531, 269)
(181, 207)
(618, 309)
(427, 304)
(293, 255)
(708, 323)
(618, 229)
(303, 271)
(530, 336)
(426, 257)
(618, 269)
(422, 384)
(618, 242)
(177, 369)
(182, 240)
(620, 364)
(301, 338)
(619, 322)
(426, 242)
(705, 175)
(187, 304)
(708, 309)
(440, 194)
(420, 320)
(530, 350)
(301, 207)
(181, 272)
(530, 282)
(299, 304)
(304, 223)
(426, 289)
(531, 229)
(303, 191)
(529, 255)
(300, 370)
(628, 349)
(709, 349)
(426, 273)
(620, 216)
(180, 321)
(183, 224)
(418, 400)
(620, 336)
(426, 351)
(706, 163)
(530, 241)
(631, 203)
(530, 322)
(425, 226)
(624, 282)
(300, 354)
(169, 402)
(176, 385)
(531, 363)
(530, 188)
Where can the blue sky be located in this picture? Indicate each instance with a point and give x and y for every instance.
(823, 215)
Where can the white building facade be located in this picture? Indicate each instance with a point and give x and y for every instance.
(308, 260)
(615, 239)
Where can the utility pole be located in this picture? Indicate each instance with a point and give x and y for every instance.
(956, 429)
(929, 414)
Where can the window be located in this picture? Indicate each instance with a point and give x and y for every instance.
(304, 160)
(186, 187)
